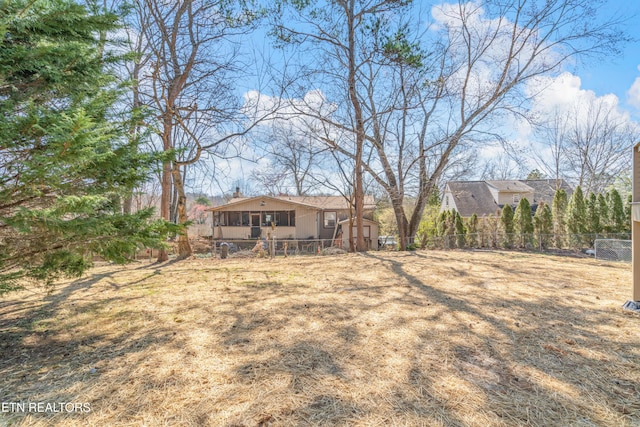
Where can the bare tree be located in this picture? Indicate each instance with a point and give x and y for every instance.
(190, 83)
(553, 137)
(587, 143)
(419, 99)
(291, 156)
(501, 168)
(598, 145)
(270, 179)
(337, 34)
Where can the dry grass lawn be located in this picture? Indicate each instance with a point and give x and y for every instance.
(409, 339)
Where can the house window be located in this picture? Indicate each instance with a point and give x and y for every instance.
(220, 219)
(285, 218)
(235, 219)
(446, 201)
(329, 219)
(243, 218)
(282, 218)
(267, 218)
(516, 198)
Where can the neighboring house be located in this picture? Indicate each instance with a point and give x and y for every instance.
(487, 197)
(545, 189)
(294, 217)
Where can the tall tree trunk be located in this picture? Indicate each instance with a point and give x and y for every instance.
(401, 221)
(173, 206)
(165, 198)
(352, 247)
(360, 133)
(184, 248)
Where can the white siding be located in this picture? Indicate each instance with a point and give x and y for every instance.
(507, 198)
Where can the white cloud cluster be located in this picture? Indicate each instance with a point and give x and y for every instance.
(500, 49)
(564, 93)
(633, 94)
(313, 103)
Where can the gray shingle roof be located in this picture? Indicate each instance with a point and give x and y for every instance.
(510, 186)
(545, 189)
(472, 197)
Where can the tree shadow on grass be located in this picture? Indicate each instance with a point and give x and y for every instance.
(291, 353)
(48, 355)
(560, 330)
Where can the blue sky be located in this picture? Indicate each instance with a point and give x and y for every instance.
(591, 78)
(612, 75)
(617, 74)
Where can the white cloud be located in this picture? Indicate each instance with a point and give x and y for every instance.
(561, 92)
(564, 93)
(633, 94)
(550, 96)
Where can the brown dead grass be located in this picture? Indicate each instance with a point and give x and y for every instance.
(426, 338)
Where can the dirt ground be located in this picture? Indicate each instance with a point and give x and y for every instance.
(454, 338)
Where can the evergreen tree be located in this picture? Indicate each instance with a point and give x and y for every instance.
(459, 229)
(543, 224)
(490, 228)
(451, 222)
(592, 225)
(506, 221)
(472, 230)
(617, 217)
(558, 210)
(523, 222)
(603, 212)
(66, 158)
(441, 224)
(428, 225)
(435, 198)
(576, 216)
(536, 174)
(203, 200)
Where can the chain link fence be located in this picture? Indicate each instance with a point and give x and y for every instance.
(608, 246)
(499, 240)
(268, 248)
(613, 250)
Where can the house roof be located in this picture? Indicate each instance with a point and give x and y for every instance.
(317, 202)
(545, 189)
(471, 197)
(328, 202)
(510, 186)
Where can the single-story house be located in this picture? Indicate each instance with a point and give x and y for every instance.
(290, 217)
(488, 197)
